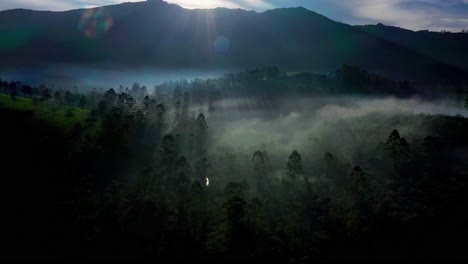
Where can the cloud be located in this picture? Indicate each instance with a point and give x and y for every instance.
(56, 5)
(430, 14)
(206, 4)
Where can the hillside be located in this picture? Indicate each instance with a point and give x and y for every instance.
(445, 47)
(60, 116)
(168, 36)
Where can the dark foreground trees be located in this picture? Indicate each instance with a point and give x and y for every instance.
(140, 180)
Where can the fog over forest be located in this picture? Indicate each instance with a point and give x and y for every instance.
(351, 127)
(204, 164)
(144, 131)
(294, 122)
(88, 77)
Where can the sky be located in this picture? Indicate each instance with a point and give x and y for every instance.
(436, 15)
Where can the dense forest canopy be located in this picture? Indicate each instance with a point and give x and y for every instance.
(353, 148)
(259, 164)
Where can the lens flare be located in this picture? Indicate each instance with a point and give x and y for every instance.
(95, 22)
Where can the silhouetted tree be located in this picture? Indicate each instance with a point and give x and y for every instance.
(201, 124)
(254, 208)
(430, 146)
(397, 147)
(404, 148)
(167, 155)
(82, 102)
(235, 212)
(359, 186)
(259, 162)
(45, 94)
(201, 129)
(235, 189)
(294, 166)
(201, 168)
(183, 174)
(466, 102)
(127, 103)
(146, 102)
(138, 92)
(57, 96)
(185, 112)
(328, 157)
(68, 98)
(434, 169)
(27, 90)
(12, 86)
(160, 115)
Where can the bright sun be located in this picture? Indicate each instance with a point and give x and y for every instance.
(204, 3)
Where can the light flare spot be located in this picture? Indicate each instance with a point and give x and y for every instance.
(95, 22)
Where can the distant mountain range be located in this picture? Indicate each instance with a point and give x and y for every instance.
(155, 33)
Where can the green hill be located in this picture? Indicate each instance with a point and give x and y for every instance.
(61, 116)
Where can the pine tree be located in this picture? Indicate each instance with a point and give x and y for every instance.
(397, 147)
(294, 166)
(359, 186)
(201, 129)
(259, 163)
(328, 157)
(167, 156)
(183, 172)
(82, 101)
(235, 224)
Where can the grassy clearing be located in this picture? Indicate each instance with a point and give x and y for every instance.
(62, 116)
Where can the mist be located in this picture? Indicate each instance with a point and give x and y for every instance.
(146, 131)
(295, 121)
(65, 76)
(350, 127)
(291, 154)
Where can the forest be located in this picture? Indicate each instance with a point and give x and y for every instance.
(256, 165)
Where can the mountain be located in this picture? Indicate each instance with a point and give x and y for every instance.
(449, 48)
(155, 33)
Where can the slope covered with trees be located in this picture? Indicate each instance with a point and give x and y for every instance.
(158, 34)
(143, 178)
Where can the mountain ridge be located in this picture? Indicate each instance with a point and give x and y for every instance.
(444, 47)
(159, 34)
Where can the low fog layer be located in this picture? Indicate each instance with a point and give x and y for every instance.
(85, 78)
(348, 127)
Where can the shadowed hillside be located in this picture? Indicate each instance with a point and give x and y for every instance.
(162, 35)
(445, 47)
